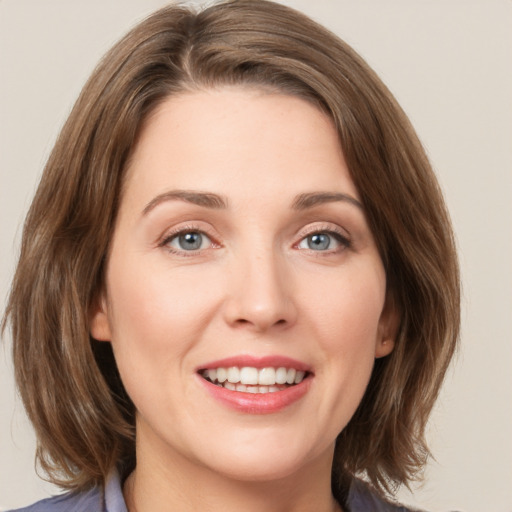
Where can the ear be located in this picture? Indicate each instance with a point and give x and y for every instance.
(99, 326)
(388, 328)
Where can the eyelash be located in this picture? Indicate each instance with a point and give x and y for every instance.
(338, 235)
(183, 230)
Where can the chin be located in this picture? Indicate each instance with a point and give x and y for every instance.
(266, 470)
(257, 461)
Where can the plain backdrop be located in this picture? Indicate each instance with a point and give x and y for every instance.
(449, 63)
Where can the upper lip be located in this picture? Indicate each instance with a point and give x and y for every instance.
(275, 361)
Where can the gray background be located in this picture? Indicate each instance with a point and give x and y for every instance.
(449, 64)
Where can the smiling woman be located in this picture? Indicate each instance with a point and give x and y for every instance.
(250, 260)
(254, 288)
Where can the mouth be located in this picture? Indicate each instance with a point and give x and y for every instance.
(256, 385)
(249, 379)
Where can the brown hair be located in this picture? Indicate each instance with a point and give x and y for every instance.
(69, 382)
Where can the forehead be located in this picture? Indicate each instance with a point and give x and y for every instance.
(238, 141)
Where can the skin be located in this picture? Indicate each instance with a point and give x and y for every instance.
(255, 287)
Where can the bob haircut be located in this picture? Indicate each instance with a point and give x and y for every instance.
(84, 420)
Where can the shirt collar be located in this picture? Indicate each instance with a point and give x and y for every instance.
(113, 500)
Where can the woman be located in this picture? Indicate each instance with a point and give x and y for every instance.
(238, 281)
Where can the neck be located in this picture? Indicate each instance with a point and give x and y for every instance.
(160, 483)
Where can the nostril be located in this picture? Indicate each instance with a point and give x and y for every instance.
(245, 322)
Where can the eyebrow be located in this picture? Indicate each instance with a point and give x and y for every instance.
(312, 199)
(217, 202)
(205, 199)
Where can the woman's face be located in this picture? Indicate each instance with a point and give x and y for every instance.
(241, 252)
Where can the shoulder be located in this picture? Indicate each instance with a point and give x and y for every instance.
(363, 499)
(89, 501)
(98, 499)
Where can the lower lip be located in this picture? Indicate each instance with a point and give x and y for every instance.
(258, 403)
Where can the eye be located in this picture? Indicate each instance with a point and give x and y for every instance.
(188, 241)
(323, 241)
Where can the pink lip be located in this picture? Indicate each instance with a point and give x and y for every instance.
(257, 362)
(257, 403)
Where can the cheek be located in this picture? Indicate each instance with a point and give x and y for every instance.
(346, 319)
(157, 316)
(157, 322)
(348, 309)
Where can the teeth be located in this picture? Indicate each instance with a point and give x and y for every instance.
(211, 374)
(249, 375)
(290, 376)
(233, 374)
(267, 376)
(281, 374)
(222, 374)
(253, 380)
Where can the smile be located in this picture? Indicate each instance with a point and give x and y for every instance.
(256, 384)
(248, 379)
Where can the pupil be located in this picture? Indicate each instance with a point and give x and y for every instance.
(190, 241)
(319, 242)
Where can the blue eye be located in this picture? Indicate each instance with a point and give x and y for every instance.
(322, 241)
(189, 241)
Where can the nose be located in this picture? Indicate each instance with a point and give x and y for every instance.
(261, 295)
